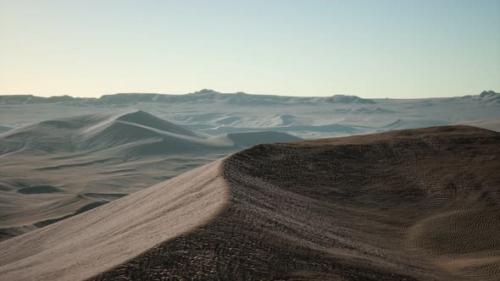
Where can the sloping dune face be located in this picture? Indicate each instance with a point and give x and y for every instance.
(83, 246)
(57, 168)
(408, 205)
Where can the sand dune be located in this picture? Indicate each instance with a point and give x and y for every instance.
(406, 205)
(85, 245)
(252, 138)
(54, 169)
(216, 113)
(97, 132)
(132, 133)
(4, 129)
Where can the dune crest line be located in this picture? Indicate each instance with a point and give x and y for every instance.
(85, 245)
(409, 205)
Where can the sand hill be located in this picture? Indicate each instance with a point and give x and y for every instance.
(132, 133)
(406, 205)
(213, 113)
(57, 168)
(99, 132)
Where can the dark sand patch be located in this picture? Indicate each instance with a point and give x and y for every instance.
(37, 189)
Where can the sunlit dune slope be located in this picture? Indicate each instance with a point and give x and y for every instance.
(56, 168)
(406, 205)
(85, 245)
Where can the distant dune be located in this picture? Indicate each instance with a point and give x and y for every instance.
(405, 205)
(210, 96)
(131, 132)
(202, 96)
(54, 169)
(213, 113)
(4, 129)
(252, 138)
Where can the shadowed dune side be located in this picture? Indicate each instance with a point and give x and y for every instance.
(353, 208)
(85, 245)
(406, 205)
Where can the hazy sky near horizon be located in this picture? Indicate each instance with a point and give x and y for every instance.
(371, 48)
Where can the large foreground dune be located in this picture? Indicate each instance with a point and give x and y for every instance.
(406, 205)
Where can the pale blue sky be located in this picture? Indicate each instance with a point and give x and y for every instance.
(371, 48)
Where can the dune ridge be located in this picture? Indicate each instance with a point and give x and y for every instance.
(133, 132)
(315, 210)
(406, 205)
(50, 167)
(82, 246)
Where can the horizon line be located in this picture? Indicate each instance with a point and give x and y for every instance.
(237, 92)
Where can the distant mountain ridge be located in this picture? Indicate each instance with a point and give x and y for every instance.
(205, 95)
(214, 113)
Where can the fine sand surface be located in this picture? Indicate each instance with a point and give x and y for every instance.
(57, 168)
(85, 245)
(418, 204)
